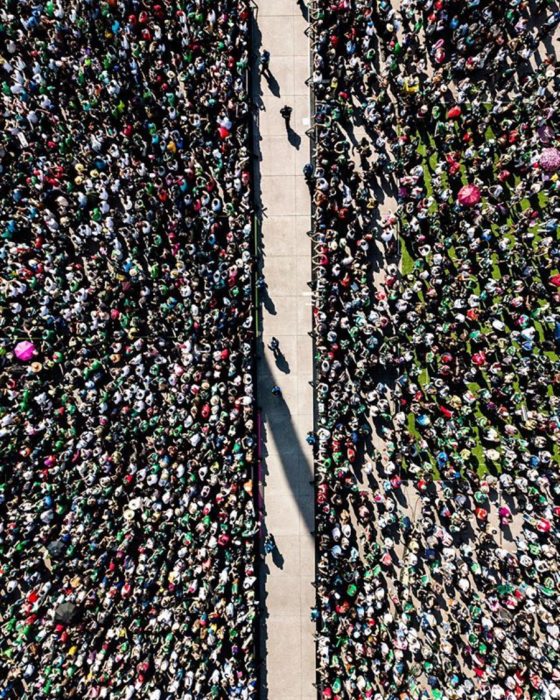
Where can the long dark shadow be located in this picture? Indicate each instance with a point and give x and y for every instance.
(294, 456)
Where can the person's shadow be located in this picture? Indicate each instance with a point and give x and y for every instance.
(304, 10)
(277, 558)
(273, 84)
(269, 305)
(281, 362)
(267, 301)
(294, 138)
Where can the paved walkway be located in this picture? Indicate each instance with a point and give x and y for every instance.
(287, 644)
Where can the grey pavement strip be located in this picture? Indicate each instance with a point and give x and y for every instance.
(287, 644)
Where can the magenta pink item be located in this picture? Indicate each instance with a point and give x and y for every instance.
(550, 160)
(469, 195)
(24, 351)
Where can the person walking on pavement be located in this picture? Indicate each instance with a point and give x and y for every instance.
(269, 544)
(274, 345)
(286, 113)
(276, 390)
(265, 64)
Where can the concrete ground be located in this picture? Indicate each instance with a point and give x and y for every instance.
(287, 643)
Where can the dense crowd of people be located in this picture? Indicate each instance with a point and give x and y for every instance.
(127, 335)
(436, 213)
(128, 527)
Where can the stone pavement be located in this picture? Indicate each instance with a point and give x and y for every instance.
(287, 642)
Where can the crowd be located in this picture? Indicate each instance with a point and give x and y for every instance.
(127, 535)
(127, 527)
(436, 210)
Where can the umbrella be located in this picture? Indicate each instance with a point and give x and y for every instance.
(555, 280)
(550, 160)
(469, 195)
(454, 112)
(24, 351)
(56, 549)
(66, 613)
